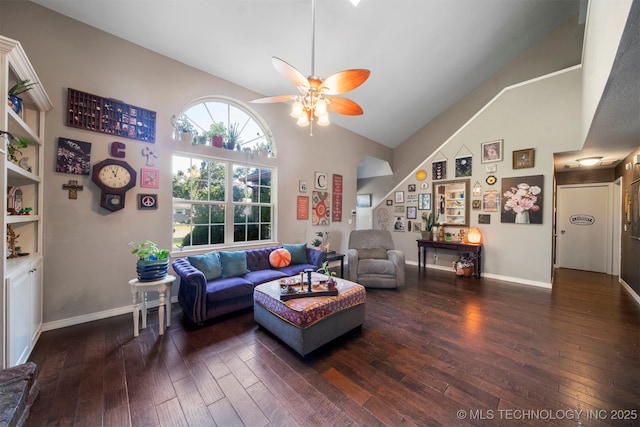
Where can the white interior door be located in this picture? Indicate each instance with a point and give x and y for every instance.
(584, 227)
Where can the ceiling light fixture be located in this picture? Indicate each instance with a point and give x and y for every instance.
(589, 161)
(315, 97)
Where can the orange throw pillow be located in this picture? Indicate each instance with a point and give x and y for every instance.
(280, 258)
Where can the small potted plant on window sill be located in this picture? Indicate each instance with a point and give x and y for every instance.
(153, 262)
(183, 130)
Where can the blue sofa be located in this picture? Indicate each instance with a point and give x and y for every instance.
(232, 290)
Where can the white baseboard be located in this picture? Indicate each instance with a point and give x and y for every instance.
(128, 309)
(516, 280)
(630, 290)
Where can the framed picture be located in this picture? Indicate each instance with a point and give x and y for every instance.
(523, 158)
(492, 151)
(522, 199)
(490, 201)
(149, 178)
(463, 166)
(73, 156)
(411, 188)
(484, 219)
(147, 201)
(439, 170)
(399, 224)
(389, 202)
(302, 186)
(476, 205)
(412, 212)
(398, 209)
(399, 196)
(363, 200)
(424, 202)
(321, 181)
(302, 207)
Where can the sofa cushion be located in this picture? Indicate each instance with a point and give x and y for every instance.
(209, 264)
(298, 253)
(233, 263)
(258, 259)
(227, 289)
(261, 276)
(376, 266)
(374, 253)
(280, 258)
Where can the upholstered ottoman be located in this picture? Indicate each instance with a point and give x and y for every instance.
(308, 323)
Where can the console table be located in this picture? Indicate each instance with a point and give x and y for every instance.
(452, 246)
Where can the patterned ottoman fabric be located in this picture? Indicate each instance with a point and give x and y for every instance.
(304, 312)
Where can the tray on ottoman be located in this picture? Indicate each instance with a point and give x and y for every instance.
(308, 323)
(291, 288)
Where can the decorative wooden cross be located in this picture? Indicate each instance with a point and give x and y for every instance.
(73, 188)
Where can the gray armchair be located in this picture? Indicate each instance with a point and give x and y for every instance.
(373, 261)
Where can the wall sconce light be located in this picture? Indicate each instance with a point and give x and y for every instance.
(589, 161)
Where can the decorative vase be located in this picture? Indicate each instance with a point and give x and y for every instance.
(427, 235)
(216, 141)
(15, 102)
(467, 271)
(150, 271)
(522, 217)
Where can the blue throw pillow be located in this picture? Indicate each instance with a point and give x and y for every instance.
(233, 263)
(298, 253)
(209, 264)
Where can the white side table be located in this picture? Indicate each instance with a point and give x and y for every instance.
(139, 291)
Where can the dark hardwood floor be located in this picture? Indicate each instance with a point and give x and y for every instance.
(441, 351)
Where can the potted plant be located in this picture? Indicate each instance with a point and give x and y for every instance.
(183, 130)
(463, 266)
(14, 150)
(427, 234)
(153, 262)
(331, 282)
(15, 102)
(217, 132)
(233, 136)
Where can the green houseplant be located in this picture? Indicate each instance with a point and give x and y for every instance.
(233, 136)
(217, 132)
(183, 129)
(14, 150)
(153, 262)
(427, 234)
(327, 272)
(21, 86)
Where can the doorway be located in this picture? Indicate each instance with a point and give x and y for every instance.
(585, 229)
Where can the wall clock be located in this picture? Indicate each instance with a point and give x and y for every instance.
(115, 178)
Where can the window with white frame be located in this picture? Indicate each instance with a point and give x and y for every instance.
(218, 201)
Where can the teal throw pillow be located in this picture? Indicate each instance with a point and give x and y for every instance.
(298, 253)
(233, 263)
(209, 264)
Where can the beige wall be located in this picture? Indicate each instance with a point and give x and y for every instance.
(543, 114)
(559, 50)
(87, 260)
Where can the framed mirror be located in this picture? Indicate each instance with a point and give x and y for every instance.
(451, 202)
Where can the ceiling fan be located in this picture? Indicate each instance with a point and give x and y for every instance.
(316, 95)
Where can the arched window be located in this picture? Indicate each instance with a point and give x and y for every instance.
(217, 201)
(224, 122)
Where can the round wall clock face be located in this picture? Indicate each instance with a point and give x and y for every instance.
(491, 180)
(114, 176)
(421, 175)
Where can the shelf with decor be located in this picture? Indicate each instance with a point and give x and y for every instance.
(23, 125)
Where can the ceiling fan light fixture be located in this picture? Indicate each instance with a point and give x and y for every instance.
(297, 109)
(303, 120)
(589, 161)
(323, 120)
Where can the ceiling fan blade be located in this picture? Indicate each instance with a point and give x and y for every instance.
(278, 98)
(344, 81)
(344, 106)
(290, 72)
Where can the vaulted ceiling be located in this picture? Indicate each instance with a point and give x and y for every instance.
(424, 55)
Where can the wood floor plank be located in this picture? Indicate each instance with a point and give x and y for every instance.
(439, 351)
